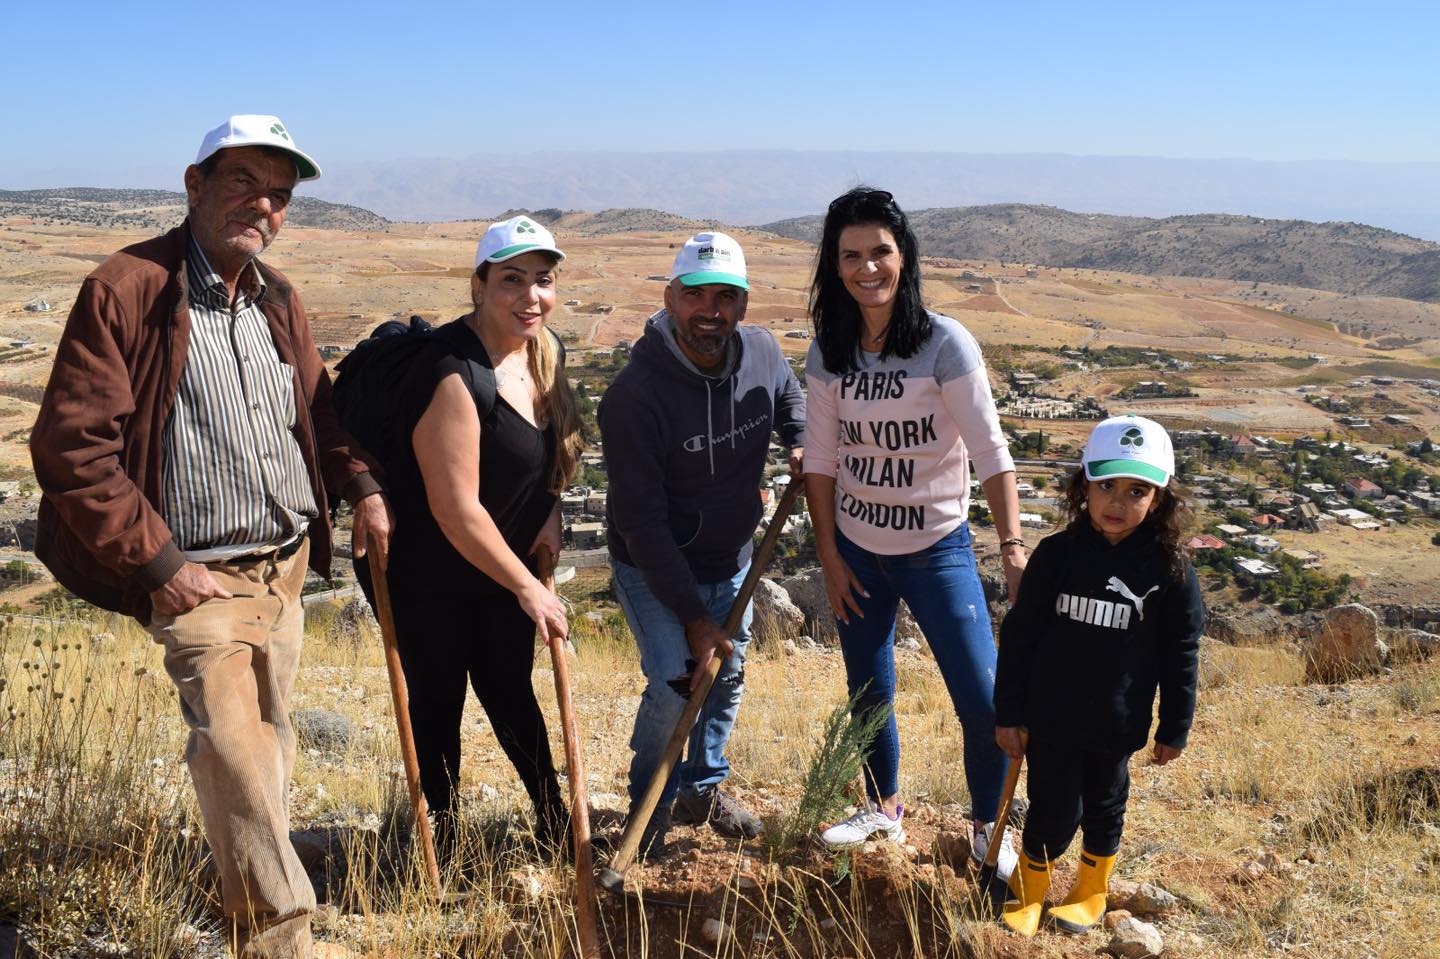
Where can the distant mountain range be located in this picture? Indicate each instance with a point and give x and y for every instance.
(626, 220)
(760, 186)
(1342, 257)
(160, 209)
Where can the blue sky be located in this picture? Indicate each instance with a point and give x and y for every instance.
(107, 93)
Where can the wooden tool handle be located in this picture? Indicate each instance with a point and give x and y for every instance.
(585, 920)
(401, 699)
(1002, 815)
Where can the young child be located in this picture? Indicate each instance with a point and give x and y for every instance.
(1109, 609)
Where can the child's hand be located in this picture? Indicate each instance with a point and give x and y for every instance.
(1163, 753)
(1008, 738)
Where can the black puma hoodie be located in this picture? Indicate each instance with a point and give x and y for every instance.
(1095, 630)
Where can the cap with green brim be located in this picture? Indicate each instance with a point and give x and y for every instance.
(700, 279)
(257, 130)
(1129, 446)
(510, 238)
(710, 258)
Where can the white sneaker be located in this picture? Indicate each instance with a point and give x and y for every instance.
(1007, 859)
(866, 823)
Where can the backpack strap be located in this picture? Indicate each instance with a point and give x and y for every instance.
(481, 376)
(482, 387)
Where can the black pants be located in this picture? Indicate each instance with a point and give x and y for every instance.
(448, 635)
(1072, 788)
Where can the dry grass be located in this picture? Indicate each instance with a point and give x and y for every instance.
(100, 844)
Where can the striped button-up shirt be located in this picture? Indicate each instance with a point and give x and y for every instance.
(235, 481)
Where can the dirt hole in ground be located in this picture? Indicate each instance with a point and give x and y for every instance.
(1410, 797)
(1405, 798)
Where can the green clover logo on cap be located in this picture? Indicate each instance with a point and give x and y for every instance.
(278, 130)
(524, 226)
(1132, 437)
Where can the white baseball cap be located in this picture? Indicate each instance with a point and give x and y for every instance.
(1130, 446)
(710, 258)
(512, 237)
(257, 130)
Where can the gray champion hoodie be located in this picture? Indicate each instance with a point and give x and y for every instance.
(685, 454)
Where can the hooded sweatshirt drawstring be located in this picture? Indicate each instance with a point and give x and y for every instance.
(710, 419)
(710, 426)
(732, 411)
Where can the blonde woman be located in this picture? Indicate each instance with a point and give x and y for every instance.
(475, 496)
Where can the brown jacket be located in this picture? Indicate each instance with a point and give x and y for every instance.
(97, 444)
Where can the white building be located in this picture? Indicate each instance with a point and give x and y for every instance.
(1264, 545)
(1255, 567)
(588, 535)
(1357, 519)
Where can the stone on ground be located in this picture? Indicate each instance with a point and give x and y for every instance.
(1141, 898)
(1411, 645)
(322, 729)
(776, 617)
(713, 930)
(1346, 645)
(1134, 939)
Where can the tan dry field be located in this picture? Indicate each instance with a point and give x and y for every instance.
(1271, 757)
(1397, 564)
(352, 281)
(1310, 779)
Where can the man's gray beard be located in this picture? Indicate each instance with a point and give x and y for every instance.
(711, 344)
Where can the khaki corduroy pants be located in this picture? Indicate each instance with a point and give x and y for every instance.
(234, 663)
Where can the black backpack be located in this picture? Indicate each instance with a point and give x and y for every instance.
(369, 380)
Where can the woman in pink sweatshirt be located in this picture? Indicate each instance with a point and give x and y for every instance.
(899, 406)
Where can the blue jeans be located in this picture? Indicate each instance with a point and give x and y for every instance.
(663, 651)
(942, 589)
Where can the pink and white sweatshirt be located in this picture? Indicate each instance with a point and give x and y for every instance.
(899, 436)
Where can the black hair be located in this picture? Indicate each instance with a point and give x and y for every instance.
(1169, 520)
(833, 311)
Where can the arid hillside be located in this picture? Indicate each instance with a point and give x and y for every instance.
(1340, 257)
(157, 209)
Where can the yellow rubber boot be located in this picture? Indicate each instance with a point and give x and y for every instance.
(1028, 885)
(1084, 907)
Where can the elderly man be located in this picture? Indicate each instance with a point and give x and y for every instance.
(186, 446)
(686, 428)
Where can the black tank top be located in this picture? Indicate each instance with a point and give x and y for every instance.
(515, 464)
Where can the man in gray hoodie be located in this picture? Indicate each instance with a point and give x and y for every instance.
(686, 428)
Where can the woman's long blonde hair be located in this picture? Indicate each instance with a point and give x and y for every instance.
(560, 407)
(543, 355)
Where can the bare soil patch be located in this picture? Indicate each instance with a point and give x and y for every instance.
(989, 304)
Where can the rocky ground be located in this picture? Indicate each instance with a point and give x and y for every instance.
(1304, 818)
